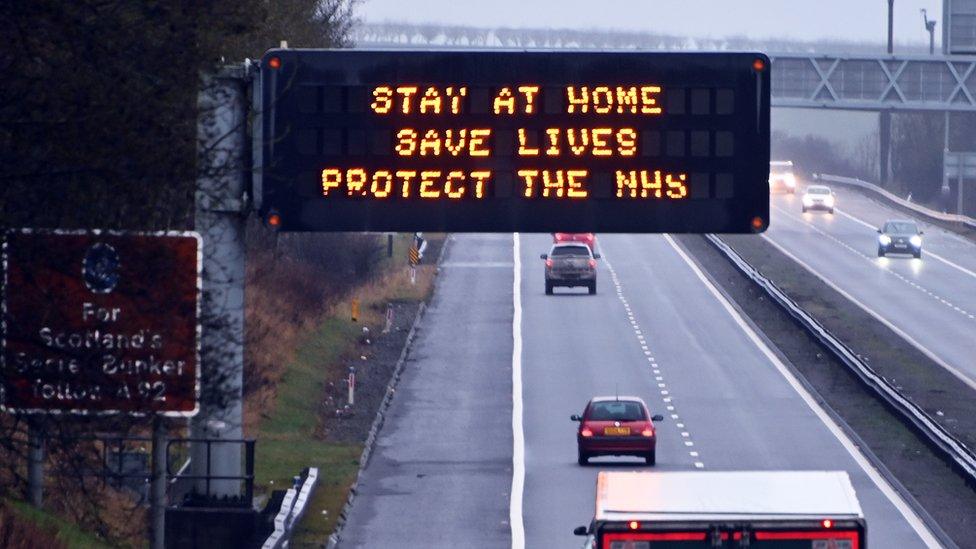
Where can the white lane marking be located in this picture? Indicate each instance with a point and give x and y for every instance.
(907, 512)
(927, 251)
(870, 260)
(641, 340)
(518, 434)
(903, 334)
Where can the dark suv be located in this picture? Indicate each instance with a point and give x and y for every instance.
(570, 264)
(900, 237)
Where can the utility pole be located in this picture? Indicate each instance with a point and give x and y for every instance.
(884, 120)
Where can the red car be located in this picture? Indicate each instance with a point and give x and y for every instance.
(616, 426)
(586, 238)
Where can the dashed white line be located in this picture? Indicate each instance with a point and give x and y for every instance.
(927, 252)
(666, 398)
(903, 334)
(871, 260)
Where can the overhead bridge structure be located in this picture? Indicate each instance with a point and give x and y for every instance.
(874, 83)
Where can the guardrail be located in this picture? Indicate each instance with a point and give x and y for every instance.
(937, 436)
(292, 508)
(922, 210)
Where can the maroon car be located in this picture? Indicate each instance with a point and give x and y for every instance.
(616, 426)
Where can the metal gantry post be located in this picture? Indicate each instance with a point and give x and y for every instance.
(220, 220)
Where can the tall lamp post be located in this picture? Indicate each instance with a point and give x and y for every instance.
(929, 26)
(885, 118)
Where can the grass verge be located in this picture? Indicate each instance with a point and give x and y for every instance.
(290, 438)
(44, 524)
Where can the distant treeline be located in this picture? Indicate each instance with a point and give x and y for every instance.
(431, 34)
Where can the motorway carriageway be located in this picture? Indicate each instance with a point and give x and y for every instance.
(930, 302)
(478, 449)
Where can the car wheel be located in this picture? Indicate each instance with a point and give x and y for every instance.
(582, 458)
(651, 457)
(918, 254)
(831, 211)
(592, 288)
(881, 252)
(804, 210)
(548, 288)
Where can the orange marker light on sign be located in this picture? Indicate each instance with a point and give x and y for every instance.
(759, 65)
(274, 220)
(274, 63)
(757, 224)
(634, 525)
(827, 523)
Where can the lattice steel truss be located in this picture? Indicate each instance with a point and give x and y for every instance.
(874, 82)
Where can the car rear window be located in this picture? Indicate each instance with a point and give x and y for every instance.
(616, 410)
(818, 190)
(570, 250)
(900, 227)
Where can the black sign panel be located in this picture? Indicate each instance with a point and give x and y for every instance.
(515, 141)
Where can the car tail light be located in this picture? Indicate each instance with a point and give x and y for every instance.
(593, 264)
(586, 432)
(549, 263)
(647, 432)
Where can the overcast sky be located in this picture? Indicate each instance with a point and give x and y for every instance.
(858, 20)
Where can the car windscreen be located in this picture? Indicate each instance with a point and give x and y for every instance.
(818, 190)
(616, 410)
(570, 250)
(900, 227)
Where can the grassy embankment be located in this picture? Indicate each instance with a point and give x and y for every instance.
(289, 435)
(37, 528)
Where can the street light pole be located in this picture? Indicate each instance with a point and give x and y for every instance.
(884, 119)
(930, 27)
(891, 26)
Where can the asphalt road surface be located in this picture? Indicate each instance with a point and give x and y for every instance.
(442, 468)
(655, 329)
(931, 301)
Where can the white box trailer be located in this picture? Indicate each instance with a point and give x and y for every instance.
(730, 509)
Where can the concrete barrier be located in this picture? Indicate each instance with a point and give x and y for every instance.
(292, 509)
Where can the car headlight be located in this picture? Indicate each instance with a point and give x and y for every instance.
(807, 201)
(790, 180)
(915, 240)
(829, 201)
(884, 240)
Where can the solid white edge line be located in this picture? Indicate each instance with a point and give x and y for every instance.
(970, 382)
(927, 252)
(518, 435)
(906, 511)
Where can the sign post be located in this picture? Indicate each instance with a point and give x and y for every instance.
(101, 323)
(414, 260)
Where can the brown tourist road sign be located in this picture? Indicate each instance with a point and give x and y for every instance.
(98, 322)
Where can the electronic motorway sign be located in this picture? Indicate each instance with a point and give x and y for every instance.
(499, 141)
